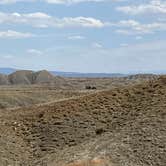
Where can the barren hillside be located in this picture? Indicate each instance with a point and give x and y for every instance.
(28, 77)
(17, 96)
(120, 127)
(25, 88)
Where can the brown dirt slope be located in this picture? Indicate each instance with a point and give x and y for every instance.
(12, 97)
(121, 127)
(107, 83)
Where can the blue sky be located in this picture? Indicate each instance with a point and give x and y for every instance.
(83, 35)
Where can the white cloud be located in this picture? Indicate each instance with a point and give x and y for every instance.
(132, 27)
(153, 7)
(14, 35)
(144, 56)
(76, 37)
(65, 2)
(124, 45)
(8, 56)
(79, 21)
(14, 1)
(97, 45)
(43, 20)
(134, 57)
(34, 52)
(71, 1)
(138, 37)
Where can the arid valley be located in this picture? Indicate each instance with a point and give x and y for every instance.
(82, 83)
(55, 121)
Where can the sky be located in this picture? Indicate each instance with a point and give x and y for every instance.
(110, 36)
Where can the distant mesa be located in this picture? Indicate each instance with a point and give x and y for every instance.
(3, 79)
(142, 76)
(28, 77)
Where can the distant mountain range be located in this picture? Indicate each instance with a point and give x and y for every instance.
(8, 71)
(85, 75)
(29, 77)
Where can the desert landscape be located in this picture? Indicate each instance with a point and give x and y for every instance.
(55, 121)
(82, 83)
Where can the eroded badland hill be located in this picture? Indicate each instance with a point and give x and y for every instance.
(120, 127)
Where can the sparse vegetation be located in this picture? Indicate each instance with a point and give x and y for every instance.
(122, 126)
(17, 96)
(90, 87)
